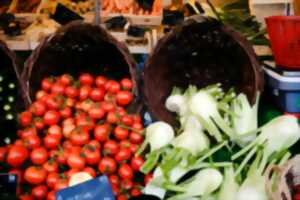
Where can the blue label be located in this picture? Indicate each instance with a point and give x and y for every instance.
(96, 189)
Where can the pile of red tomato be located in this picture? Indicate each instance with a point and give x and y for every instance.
(77, 126)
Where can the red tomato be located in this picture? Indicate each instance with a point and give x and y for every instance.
(32, 141)
(65, 79)
(39, 156)
(80, 137)
(17, 155)
(122, 197)
(67, 144)
(58, 88)
(47, 84)
(51, 141)
(39, 123)
(68, 121)
(53, 102)
(92, 156)
(114, 87)
(125, 144)
(94, 144)
(35, 175)
(121, 133)
(123, 155)
(86, 79)
(50, 166)
(3, 152)
(126, 84)
(135, 192)
(137, 126)
(111, 147)
(84, 92)
(96, 113)
(41, 95)
(115, 189)
(136, 163)
(28, 132)
(52, 179)
(26, 197)
(25, 118)
(51, 195)
(134, 148)
(67, 130)
(71, 92)
(101, 132)
(107, 165)
(85, 122)
(61, 184)
(108, 106)
(125, 172)
(127, 120)
(136, 138)
(76, 161)
(19, 174)
(124, 98)
(126, 184)
(55, 130)
(147, 178)
(66, 112)
(76, 149)
(112, 117)
(100, 81)
(90, 171)
(39, 192)
(71, 172)
(51, 117)
(38, 108)
(97, 94)
(63, 156)
(114, 179)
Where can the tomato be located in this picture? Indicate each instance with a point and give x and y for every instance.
(126, 84)
(97, 94)
(39, 192)
(134, 148)
(136, 163)
(126, 184)
(65, 79)
(67, 144)
(136, 138)
(53, 102)
(39, 123)
(35, 175)
(135, 192)
(92, 156)
(51, 117)
(63, 156)
(90, 171)
(26, 197)
(112, 117)
(76, 161)
(51, 141)
(80, 137)
(96, 113)
(71, 92)
(114, 87)
(76, 149)
(114, 179)
(111, 147)
(50, 166)
(58, 88)
(25, 118)
(41, 96)
(122, 197)
(123, 155)
(68, 121)
(127, 120)
(115, 189)
(17, 155)
(84, 92)
(147, 178)
(125, 144)
(86, 79)
(52, 179)
(71, 172)
(3, 152)
(107, 165)
(137, 126)
(121, 133)
(66, 112)
(32, 141)
(47, 84)
(55, 130)
(94, 144)
(101, 132)
(100, 81)
(18, 173)
(61, 184)
(28, 132)
(51, 195)
(67, 130)
(85, 122)
(124, 98)
(108, 106)
(38, 108)
(125, 172)
(39, 156)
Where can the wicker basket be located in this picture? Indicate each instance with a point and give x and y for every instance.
(201, 52)
(77, 48)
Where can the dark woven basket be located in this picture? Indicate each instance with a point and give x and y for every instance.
(10, 69)
(201, 51)
(78, 48)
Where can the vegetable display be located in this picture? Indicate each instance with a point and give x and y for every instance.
(77, 126)
(219, 152)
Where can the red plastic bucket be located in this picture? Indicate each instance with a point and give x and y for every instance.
(284, 32)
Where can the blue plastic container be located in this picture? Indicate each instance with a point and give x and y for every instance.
(285, 90)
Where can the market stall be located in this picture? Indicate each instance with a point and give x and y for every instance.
(149, 99)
